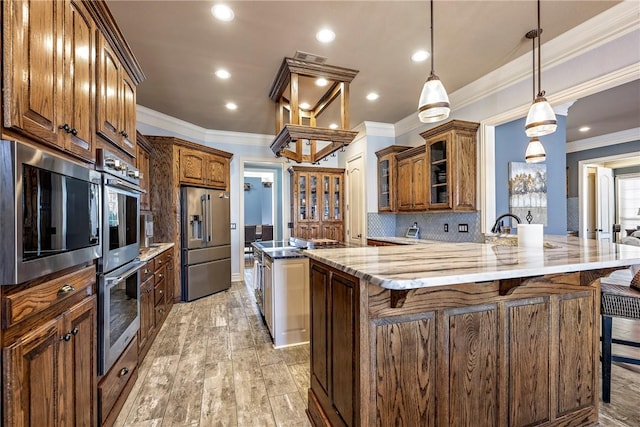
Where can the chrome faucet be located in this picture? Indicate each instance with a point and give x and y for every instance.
(496, 227)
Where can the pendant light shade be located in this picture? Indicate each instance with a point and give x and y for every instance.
(433, 105)
(535, 152)
(541, 119)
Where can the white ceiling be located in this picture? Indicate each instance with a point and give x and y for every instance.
(179, 46)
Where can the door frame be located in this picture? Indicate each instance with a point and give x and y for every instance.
(363, 204)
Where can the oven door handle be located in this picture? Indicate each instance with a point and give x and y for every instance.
(124, 185)
(126, 274)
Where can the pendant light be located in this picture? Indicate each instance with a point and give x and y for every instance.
(541, 119)
(535, 151)
(433, 105)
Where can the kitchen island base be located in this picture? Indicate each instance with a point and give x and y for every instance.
(506, 352)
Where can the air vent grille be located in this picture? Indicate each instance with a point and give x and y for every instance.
(309, 57)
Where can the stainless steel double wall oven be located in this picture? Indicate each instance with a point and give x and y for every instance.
(119, 269)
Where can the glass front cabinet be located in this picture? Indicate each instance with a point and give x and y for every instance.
(387, 176)
(317, 203)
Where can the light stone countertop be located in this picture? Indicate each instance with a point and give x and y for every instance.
(403, 240)
(433, 263)
(156, 249)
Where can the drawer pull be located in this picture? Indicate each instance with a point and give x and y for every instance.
(159, 261)
(123, 372)
(146, 271)
(160, 291)
(66, 337)
(66, 289)
(75, 331)
(160, 276)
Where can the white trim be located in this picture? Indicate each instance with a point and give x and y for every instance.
(380, 129)
(563, 109)
(621, 137)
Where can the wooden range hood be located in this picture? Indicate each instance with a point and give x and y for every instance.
(292, 134)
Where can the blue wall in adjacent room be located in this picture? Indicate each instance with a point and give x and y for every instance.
(253, 202)
(510, 146)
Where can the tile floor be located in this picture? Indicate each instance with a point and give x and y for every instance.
(212, 364)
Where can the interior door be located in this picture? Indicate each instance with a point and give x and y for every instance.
(604, 204)
(355, 201)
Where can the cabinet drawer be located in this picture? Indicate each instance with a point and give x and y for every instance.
(162, 260)
(116, 379)
(146, 271)
(34, 299)
(161, 312)
(159, 291)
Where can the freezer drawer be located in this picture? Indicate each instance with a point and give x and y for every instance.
(207, 278)
(198, 256)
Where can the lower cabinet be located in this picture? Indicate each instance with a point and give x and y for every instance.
(518, 351)
(115, 385)
(50, 358)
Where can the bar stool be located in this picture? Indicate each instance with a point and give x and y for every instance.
(617, 300)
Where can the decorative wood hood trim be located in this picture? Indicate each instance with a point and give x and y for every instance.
(338, 138)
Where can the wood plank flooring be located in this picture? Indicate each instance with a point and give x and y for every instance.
(213, 364)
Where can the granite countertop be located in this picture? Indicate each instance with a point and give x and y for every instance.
(434, 263)
(156, 249)
(284, 253)
(403, 240)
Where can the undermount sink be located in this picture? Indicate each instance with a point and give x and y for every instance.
(155, 245)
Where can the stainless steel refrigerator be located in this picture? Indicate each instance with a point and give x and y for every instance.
(206, 242)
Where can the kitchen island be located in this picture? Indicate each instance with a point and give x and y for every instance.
(458, 333)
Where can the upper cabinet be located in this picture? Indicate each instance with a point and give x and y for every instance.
(143, 158)
(68, 76)
(412, 180)
(451, 166)
(116, 101)
(49, 73)
(387, 175)
(206, 169)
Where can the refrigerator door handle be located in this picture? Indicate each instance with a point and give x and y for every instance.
(205, 220)
(209, 218)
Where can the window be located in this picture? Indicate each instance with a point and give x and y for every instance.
(628, 197)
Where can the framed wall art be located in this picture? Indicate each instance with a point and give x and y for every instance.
(528, 191)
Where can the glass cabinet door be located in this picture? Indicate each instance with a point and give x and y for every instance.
(302, 196)
(337, 198)
(313, 197)
(326, 197)
(384, 201)
(439, 176)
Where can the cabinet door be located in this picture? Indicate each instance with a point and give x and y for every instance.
(301, 195)
(464, 172)
(191, 166)
(31, 372)
(439, 173)
(384, 185)
(79, 118)
(313, 202)
(142, 163)
(147, 312)
(170, 280)
(78, 372)
(404, 185)
(268, 295)
(216, 172)
(33, 67)
(109, 99)
(127, 131)
(418, 183)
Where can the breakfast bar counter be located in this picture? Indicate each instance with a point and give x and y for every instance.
(459, 333)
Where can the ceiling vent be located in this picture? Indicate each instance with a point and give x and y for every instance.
(309, 57)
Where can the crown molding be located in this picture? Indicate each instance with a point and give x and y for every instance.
(621, 137)
(380, 129)
(563, 109)
(188, 130)
(611, 24)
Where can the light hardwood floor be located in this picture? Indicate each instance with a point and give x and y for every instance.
(212, 364)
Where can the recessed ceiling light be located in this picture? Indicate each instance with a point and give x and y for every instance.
(223, 74)
(584, 129)
(231, 106)
(333, 126)
(321, 82)
(222, 12)
(325, 36)
(304, 106)
(419, 56)
(372, 96)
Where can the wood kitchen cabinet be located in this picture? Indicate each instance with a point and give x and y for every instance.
(317, 202)
(143, 158)
(412, 181)
(116, 107)
(387, 177)
(200, 168)
(49, 352)
(451, 166)
(489, 373)
(56, 104)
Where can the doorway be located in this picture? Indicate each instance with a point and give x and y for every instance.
(355, 229)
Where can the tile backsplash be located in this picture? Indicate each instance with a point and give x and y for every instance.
(431, 225)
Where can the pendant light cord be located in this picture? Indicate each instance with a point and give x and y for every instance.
(432, 55)
(533, 51)
(539, 30)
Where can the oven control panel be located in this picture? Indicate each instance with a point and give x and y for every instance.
(108, 162)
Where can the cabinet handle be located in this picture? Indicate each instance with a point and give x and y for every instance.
(66, 337)
(66, 289)
(74, 131)
(160, 276)
(146, 271)
(125, 134)
(123, 372)
(160, 291)
(65, 127)
(75, 331)
(159, 261)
